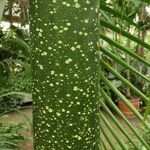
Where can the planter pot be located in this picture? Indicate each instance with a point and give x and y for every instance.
(125, 110)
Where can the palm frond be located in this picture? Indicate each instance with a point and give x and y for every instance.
(124, 33)
(110, 27)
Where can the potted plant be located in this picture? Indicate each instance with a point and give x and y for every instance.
(138, 82)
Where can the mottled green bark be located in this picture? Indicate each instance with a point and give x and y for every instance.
(65, 74)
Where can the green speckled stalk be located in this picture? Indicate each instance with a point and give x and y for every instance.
(65, 64)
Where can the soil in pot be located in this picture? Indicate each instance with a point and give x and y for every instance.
(125, 110)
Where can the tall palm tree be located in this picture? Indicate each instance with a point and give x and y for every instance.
(65, 66)
(66, 73)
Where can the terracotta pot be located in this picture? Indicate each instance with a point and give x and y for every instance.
(125, 110)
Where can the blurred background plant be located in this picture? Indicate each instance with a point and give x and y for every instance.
(15, 71)
(10, 138)
(145, 132)
(135, 19)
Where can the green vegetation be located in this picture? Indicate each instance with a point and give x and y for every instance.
(84, 53)
(15, 71)
(10, 138)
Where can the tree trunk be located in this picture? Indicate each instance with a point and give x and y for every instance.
(65, 63)
(10, 6)
(141, 34)
(2, 7)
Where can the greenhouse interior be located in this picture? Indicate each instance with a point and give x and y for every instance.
(74, 74)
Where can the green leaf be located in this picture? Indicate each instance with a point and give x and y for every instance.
(145, 1)
(103, 145)
(117, 123)
(118, 139)
(116, 74)
(147, 112)
(124, 49)
(136, 2)
(133, 129)
(117, 14)
(123, 63)
(17, 93)
(107, 138)
(124, 33)
(122, 97)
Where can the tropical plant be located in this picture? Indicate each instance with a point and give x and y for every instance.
(15, 72)
(116, 59)
(137, 81)
(10, 138)
(11, 135)
(65, 74)
(145, 133)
